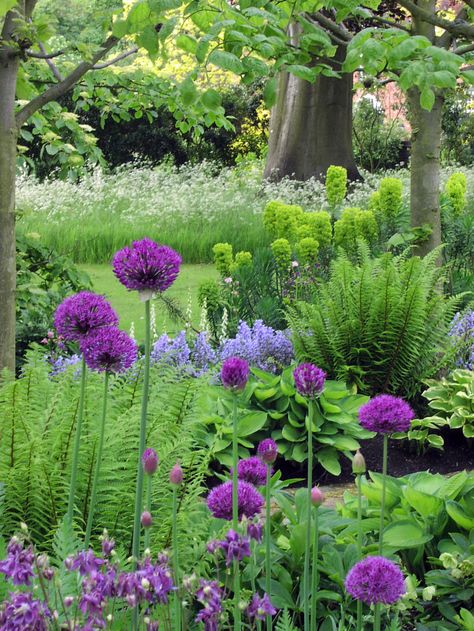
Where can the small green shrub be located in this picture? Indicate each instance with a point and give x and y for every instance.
(336, 185)
(281, 250)
(307, 250)
(455, 191)
(390, 199)
(282, 220)
(223, 258)
(241, 259)
(353, 225)
(320, 225)
(452, 400)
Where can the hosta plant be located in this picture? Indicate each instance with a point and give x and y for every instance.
(452, 401)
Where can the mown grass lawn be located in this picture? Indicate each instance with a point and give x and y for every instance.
(129, 307)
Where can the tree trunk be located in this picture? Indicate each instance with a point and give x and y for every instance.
(8, 138)
(311, 127)
(424, 180)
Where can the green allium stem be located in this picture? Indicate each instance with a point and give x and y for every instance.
(141, 446)
(384, 484)
(77, 444)
(315, 574)
(235, 511)
(98, 462)
(359, 543)
(268, 529)
(177, 602)
(307, 553)
(149, 480)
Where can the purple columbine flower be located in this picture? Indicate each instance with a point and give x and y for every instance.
(386, 414)
(255, 530)
(108, 545)
(18, 566)
(309, 380)
(210, 595)
(147, 267)
(267, 451)
(149, 461)
(259, 608)
(219, 500)
(235, 546)
(85, 561)
(21, 611)
(235, 373)
(375, 579)
(252, 470)
(109, 350)
(79, 315)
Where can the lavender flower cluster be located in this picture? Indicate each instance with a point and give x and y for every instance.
(462, 334)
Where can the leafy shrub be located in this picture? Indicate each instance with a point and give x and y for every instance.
(455, 192)
(319, 223)
(223, 258)
(452, 399)
(336, 185)
(380, 322)
(281, 250)
(353, 225)
(307, 250)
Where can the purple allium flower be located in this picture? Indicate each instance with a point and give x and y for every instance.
(375, 579)
(235, 373)
(252, 470)
(149, 461)
(146, 519)
(261, 346)
(176, 475)
(85, 561)
(109, 350)
(267, 450)
(255, 530)
(219, 500)
(235, 546)
(21, 612)
(309, 380)
(79, 315)
(259, 608)
(386, 414)
(18, 566)
(146, 266)
(210, 595)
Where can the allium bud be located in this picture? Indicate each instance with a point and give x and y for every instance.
(267, 450)
(176, 475)
(149, 461)
(146, 519)
(358, 463)
(317, 496)
(235, 373)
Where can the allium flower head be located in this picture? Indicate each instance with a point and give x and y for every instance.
(21, 611)
(259, 608)
(267, 450)
(149, 461)
(146, 266)
(309, 380)
(219, 500)
(252, 470)
(386, 414)
(375, 579)
(146, 519)
(235, 373)
(79, 315)
(176, 474)
(109, 350)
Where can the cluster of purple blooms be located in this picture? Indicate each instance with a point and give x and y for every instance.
(462, 334)
(386, 414)
(375, 579)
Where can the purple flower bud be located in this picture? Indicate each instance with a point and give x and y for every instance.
(317, 496)
(146, 519)
(358, 463)
(68, 600)
(149, 461)
(176, 475)
(309, 380)
(235, 373)
(267, 450)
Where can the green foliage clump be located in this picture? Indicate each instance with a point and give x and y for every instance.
(452, 399)
(379, 322)
(307, 250)
(336, 185)
(455, 191)
(281, 250)
(389, 200)
(353, 225)
(209, 294)
(320, 225)
(243, 258)
(269, 216)
(223, 258)
(287, 218)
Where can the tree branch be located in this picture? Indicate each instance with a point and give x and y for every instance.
(463, 49)
(124, 55)
(44, 55)
(51, 64)
(59, 89)
(453, 27)
(331, 26)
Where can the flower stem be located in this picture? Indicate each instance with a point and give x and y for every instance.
(307, 552)
(359, 543)
(235, 511)
(268, 529)
(77, 444)
(384, 483)
(141, 447)
(98, 462)
(315, 575)
(148, 507)
(177, 602)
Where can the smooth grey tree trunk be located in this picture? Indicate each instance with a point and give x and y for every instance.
(8, 138)
(311, 127)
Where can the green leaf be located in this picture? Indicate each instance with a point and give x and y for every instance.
(427, 99)
(423, 503)
(120, 28)
(187, 43)
(405, 534)
(251, 423)
(6, 5)
(211, 100)
(459, 515)
(226, 61)
(302, 72)
(188, 91)
(329, 459)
